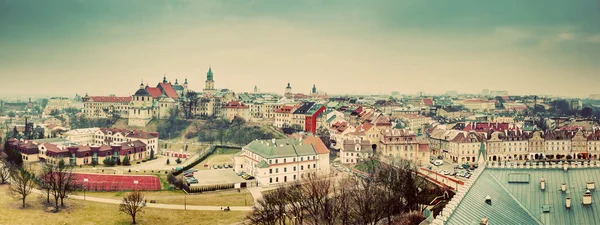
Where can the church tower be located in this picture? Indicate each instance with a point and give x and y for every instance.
(288, 91)
(209, 86)
(185, 85)
(314, 90)
(255, 89)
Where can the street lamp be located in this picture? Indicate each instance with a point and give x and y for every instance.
(85, 180)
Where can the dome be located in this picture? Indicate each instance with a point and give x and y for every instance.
(142, 92)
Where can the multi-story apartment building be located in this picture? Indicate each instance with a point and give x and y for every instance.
(515, 144)
(52, 153)
(495, 148)
(279, 161)
(593, 144)
(235, 109)
(403, 144)
(558, 145)
(415, 122)
(111, 136)
(355, 150)
(83, 136)
(579, 145)
(283, 116)
(105, 106)
(537, 144)
(464, 147)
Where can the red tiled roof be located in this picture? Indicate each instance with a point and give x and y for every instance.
(53, 148)
(285, 109)
(474, 101)
(320, 148)
(154, 91)
(107, 99)
(365, 127)
(168, 89)
(428, 101)
(235, 105)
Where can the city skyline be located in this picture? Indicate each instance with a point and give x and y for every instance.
(343, 47)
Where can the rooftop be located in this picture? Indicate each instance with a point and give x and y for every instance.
(524, 202)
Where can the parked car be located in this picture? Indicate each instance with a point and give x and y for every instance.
(438, 162)
(219, 166)
(445, 172)
(188, 175)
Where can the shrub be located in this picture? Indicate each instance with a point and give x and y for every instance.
(108, 161)
(126, 161)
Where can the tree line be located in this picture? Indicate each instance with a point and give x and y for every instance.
(390, 195)
(221, 131)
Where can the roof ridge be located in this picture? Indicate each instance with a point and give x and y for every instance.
(515, 199)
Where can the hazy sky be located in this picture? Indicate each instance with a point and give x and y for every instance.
(346, 46)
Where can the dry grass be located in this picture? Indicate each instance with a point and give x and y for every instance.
(87, 212)
(217, 198)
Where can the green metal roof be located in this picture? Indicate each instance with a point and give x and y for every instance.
(281, 148)
(262, 164)
(527, 199)
(503, 209)
(331, 118)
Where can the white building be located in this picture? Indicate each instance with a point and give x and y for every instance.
(279, 161)
(81, 136)
(112, 136)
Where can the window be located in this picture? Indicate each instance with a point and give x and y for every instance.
(270, 171)
(271, 180)
(284, 169)
(276, 179)
(315, 166)
(276, 170)
(308, 166)
(301, 167)
(294, 168)
(283, 160)
(294, 177)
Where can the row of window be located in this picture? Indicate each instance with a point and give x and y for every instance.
(293, 168)
(294, 159)
(285, 178)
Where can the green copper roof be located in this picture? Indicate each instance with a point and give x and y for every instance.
(513, 203)
(331, 118)
(504, 209)
(209, 74)
(281, 148)
(262, 164)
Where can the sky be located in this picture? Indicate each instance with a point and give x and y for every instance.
(544, 47)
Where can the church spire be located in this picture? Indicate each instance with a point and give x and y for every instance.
(209, 74)
(314, 89)
(185, 81)
(176, 82)
(142, 84)
(165, 79)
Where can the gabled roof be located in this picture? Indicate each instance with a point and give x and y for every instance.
(154, 91)
(319, 146)
(168, 90)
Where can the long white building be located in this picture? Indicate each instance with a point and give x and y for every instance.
(279, 161)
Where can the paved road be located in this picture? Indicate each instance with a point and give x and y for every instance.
(162, 206)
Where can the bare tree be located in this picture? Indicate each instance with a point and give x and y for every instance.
(5, 166)
(132, 204)
(45, 180)
(21, 183)
(61, 181)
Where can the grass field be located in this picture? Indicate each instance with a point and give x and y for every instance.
(367, 165)
(218, 198)
(87, 212)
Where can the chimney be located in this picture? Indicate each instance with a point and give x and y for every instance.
(568, 203)
(488, 199)
(563, 187)
(484, 221)
(587, 198)
(543, 184)
(591, 185)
